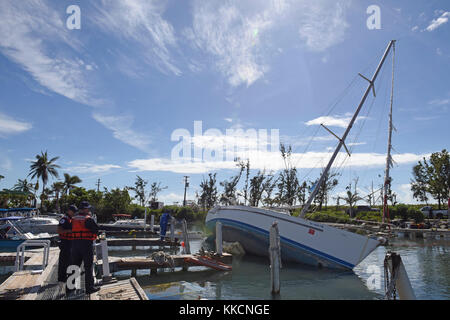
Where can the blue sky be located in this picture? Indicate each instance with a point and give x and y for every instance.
(108, 97)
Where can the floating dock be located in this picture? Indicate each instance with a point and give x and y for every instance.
(174, 261)
(141, 242)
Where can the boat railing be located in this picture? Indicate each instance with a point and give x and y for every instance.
(15, 228)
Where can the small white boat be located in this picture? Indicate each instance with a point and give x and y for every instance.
(123, 222)
(38, 225)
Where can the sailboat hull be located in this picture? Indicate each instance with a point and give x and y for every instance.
(302, 241)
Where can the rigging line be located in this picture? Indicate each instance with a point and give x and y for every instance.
(383, 114)
(340, 168)
(334, 105)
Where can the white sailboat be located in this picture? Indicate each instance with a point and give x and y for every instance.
(301, 240)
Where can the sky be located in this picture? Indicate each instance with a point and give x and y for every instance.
(151, 88)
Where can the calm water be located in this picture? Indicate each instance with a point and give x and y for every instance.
(427, 263)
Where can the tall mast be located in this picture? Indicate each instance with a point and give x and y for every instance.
(342, 141)
(387, 178)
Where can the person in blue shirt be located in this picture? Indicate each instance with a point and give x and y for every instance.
(163, 222)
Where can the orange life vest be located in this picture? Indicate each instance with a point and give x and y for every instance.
(79, 230)
(66, 235)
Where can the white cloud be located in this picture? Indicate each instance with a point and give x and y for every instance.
(237, 34)
(439, 102)
(323, 24)
(333, 121)
(141, 23)
(233, 38)
(27, 32)
(121, 126)
(273, 161)
(436, 23)
(9, 126)
(92, 168)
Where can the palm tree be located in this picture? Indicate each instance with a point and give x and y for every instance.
(2, 177)
(57, 187)
(24, 186)
(42, 168)
(352, 198)
(70, 182)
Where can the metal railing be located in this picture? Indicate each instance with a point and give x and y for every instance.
(20, 255)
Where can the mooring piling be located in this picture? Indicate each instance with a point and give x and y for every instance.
(187, 247)
(398, 281)
(219, 244)
(172, 229)
(275, 258)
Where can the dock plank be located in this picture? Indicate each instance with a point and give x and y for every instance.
(123, 290)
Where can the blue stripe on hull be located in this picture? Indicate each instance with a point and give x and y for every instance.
(256, 240)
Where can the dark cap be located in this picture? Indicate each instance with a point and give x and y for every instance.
(85, 205)
(73, 208)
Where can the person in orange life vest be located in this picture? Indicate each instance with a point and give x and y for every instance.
(65, 242)
(84, 233)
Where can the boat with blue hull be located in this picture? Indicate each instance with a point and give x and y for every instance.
(302, 241)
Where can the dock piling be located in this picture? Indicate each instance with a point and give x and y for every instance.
(398, 282)
(275, 258)
(172, 229)
(219, 244)
(187, 247)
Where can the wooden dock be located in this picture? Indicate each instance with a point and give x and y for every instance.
(147, 263)
(141, 242)
(35, 284)
(26, 284)
(443, 234)
(123, 290)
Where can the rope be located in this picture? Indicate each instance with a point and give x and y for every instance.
(162, 258)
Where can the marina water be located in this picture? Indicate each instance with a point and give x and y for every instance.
(427, 263)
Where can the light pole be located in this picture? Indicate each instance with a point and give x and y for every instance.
(186, 185)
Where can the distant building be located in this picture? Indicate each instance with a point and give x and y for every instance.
(155, 205)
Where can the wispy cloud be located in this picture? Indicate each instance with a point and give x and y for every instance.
(237, 35)
(233, 38)
(140, 23)
(436, 23)
(122, 128)
(439, 102)
(28, 34)
(323, 23)
(333, 121)
(10, 126)
(92, 168)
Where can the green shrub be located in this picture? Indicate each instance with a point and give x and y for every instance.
(369, 216)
